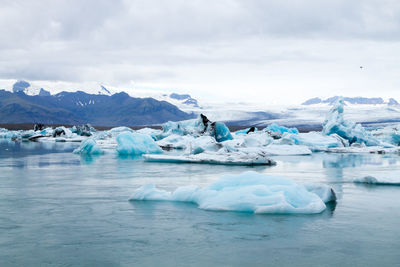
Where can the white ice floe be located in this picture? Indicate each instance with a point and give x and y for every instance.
(365, 149)
(388, 179)
(247, 192)
(228, 158)
(313, 140)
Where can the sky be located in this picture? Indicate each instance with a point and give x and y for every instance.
(257, 51)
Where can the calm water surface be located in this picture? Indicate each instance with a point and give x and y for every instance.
(57, 208)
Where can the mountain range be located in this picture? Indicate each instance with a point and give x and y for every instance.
(80, 107)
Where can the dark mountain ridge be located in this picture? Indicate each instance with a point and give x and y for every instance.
(80, 107)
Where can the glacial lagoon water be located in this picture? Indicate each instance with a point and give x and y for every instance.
(58, 208)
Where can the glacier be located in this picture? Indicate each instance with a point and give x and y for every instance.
(247, 192)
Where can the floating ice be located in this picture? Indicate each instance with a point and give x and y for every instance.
(388, 134)
(326, 193)
(247, 192)
(197, 127)
(281, 129)
(353, 132)
(257, 139)
(227, 158)
(365, 149)
(193, 127)
(314, 140)
(88, 147)
(175, 141)
(202, 144)
(136, 144)
(388, 179)
(222, 132)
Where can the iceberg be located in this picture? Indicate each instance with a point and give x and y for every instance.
(136, 144)
(202, 144)
(281, 129)
(88, 147)
(221, 132)
(196, 127)
(388, 134)
(175, 141)
(353, 132)
(247, 192)
(379, 180)
(314, 140)
(257, 139)
(226, 158)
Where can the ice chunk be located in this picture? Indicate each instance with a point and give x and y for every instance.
(389, 134)
(227, 158)
(257, 139)
(197, 127)
(88, 147)
(193, 127)
(154, 133)
(326, 193)
(365, 149)
(136, 144)
(202, 144)
(175, 141)
(314, 140)
(281, 129)
(247, 192)
(222, 132)
(353, 132)
(379, 180)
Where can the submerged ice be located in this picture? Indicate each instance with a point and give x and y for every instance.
(247, 192)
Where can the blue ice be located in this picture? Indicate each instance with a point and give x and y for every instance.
(136, 144)
(246, 192)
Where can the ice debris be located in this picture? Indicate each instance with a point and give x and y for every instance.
(136, 144)
(247, 192)
(197, 127)
(353, 132)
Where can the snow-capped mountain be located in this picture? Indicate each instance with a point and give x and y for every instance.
(183, 101)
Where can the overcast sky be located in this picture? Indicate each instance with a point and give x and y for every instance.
(269, 51)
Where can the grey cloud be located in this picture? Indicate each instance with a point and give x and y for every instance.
(146, 40)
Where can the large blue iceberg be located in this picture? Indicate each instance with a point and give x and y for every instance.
(247, 192)
(353, 132)
(136, 144)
